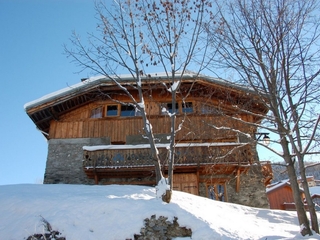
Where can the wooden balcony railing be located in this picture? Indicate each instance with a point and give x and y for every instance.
(115, 156)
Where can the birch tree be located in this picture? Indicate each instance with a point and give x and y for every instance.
(137, 37)
(273, 47)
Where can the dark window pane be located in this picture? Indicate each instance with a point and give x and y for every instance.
(169, 107)
(112, 110)
(127, 111)
(187, 107)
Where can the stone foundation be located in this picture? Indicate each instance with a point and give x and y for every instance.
(65, 165)
(64, 162)
(252, 190)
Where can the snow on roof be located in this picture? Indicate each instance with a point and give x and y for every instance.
(277, 185)
(315, 190)
(160, 145)
(106, 80)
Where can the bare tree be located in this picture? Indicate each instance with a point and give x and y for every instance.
(273, 46)
(138, 36)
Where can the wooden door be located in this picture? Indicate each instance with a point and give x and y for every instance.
(186, 182)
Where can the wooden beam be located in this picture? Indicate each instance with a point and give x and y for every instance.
(96, 178)
(198, 181)
(238, 181)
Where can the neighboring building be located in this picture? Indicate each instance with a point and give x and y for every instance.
(316, 199)
(315, 195)
(280, 196)
(94, 138)
(310, 179)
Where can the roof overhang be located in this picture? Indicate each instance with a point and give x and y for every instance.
(52, 105)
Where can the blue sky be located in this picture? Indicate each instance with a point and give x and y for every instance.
(32, 64)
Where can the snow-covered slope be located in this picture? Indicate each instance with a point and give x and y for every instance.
(117, 212)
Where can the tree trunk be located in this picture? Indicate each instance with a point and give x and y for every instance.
(302, 216)
(310, 203)
(172, 141)
(167, 196)
(301, 212)
(154, 150)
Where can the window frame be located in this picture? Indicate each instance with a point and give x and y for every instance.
(179, 109)
(118, 110)
(185, 103)
(94, 113)
(128, 106)
(219, 194)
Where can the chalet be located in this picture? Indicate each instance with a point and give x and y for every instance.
(95, 136)
(310, 179)
(280, 196)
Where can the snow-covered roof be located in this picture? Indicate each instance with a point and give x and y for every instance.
(53, 105)
(279, 185)
(315, 190)
(101, 80)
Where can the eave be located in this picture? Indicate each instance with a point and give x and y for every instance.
(52, 106)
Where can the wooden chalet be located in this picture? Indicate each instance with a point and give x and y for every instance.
(280, 196)
(95, 136)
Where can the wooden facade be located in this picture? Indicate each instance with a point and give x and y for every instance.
(206, 156)
(281, 197)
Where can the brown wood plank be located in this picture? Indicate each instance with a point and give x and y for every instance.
(119, 128)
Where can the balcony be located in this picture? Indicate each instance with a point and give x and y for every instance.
(109, 161)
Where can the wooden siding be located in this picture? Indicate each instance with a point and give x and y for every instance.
(195, 128)
(280, 196)
(186, 183)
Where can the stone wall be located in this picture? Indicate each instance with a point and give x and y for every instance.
(252, 190)
(64, 161)
(65, 165)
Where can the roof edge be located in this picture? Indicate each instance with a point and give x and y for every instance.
(101, 79)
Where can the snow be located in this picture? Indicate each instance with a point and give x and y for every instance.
(102, 80)
(174, 86)
(162, 187)
(159, 145)
(91, 82)
(278, 185)
(315, 190)
(117, 212)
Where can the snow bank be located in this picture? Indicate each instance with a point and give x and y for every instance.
(117, 212)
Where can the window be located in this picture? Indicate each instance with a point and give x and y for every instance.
(216, 191)
(187, 107)
(127, 111)
(207, 109)
(168, 107)
(96, 113)
(112, 110)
